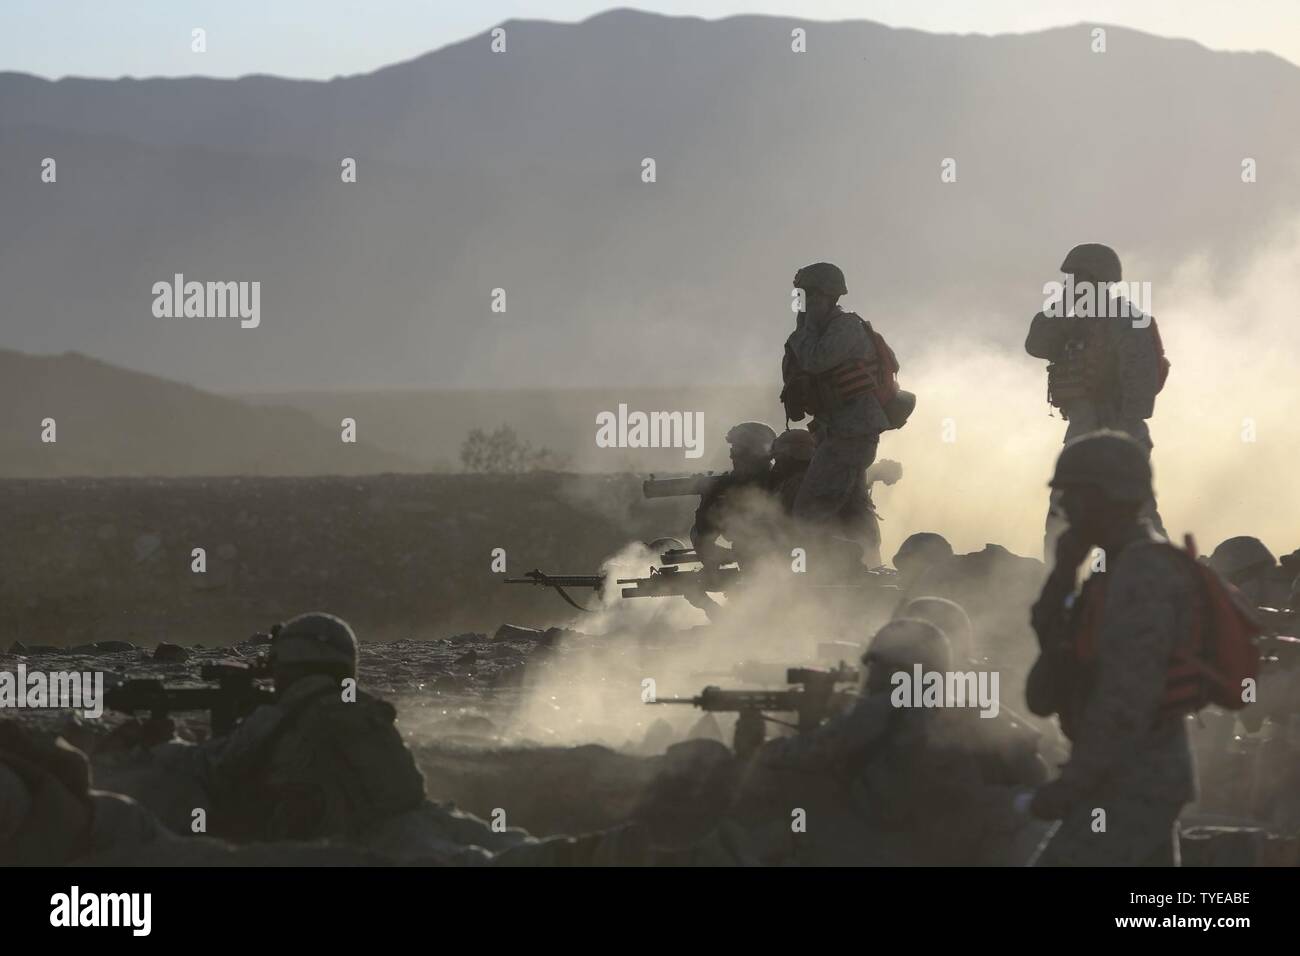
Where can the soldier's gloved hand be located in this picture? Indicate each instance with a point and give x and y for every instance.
(1070, 552)
(1051, 801)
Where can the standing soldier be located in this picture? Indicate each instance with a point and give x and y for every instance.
(840, 371)
(1107, 667)
(1107, 361)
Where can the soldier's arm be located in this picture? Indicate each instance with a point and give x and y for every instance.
(839, 741)
(843, 339)
(1139, 372)
(1135, 643)
(1046, 337)
(706, 530)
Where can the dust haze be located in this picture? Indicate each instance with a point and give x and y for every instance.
(977, 455)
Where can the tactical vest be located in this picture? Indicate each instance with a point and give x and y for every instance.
(1086, 371)
(875, 372)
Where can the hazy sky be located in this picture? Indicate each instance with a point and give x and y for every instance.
(324, 38)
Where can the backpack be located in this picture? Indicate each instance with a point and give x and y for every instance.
(1223, 654)
(1163, 364)
(1213, 665)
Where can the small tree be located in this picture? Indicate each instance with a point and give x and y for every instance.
(503, 452)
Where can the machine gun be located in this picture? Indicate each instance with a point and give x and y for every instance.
(673, 581)
(810, 700)
(561, 582)
(697, 484)
(675, 556)
(234, 697)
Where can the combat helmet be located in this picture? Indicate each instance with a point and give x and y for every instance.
(821, 277)
(315, 640)
(924, 547)
(754, 438)
(905, 642)
(1109, 460)
(949, 617)
(794, 444)
(1093, 259)
(1240, 554)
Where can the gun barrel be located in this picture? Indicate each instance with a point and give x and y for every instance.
(697, 484)
(675, 556)
(559, 580)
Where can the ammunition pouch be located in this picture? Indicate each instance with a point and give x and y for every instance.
(1080, 374)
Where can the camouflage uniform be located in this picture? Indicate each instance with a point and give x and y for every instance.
(731, 508)
(1125, 760)
(848, 433)
(883, 785)
(317, 764)
(314, 766)
(49, 814)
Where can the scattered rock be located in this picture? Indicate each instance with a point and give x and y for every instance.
(553, 634)
(105, 647)
(170, 652)
(469, 657)
(512, 632)
(467, 638)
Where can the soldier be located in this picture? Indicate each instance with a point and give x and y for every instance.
(1107, 362)
(837, 369)
(1104, 669)
(1246, 563)
(727, 507)
(326, 761)
(49, 812)
(884, 784)
(791, 452)
(1006, 744)
(918, 554)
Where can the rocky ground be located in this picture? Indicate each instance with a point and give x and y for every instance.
(399, 556)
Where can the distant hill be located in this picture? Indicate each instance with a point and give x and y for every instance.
(112, 422)
(522, 171)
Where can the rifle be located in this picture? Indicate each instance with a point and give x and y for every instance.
(679, 556)
(234, 697)
(561, 581)
(673, 581)
(810, 700)
(697, 484)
